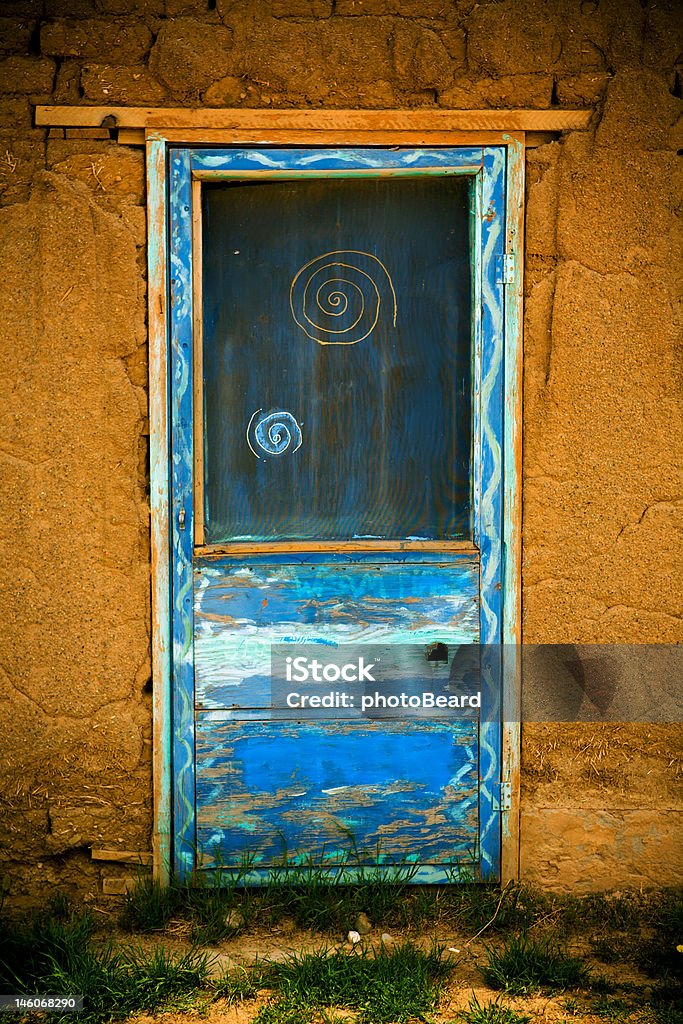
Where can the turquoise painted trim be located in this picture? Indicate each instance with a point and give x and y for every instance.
(182, 527)
(475, 268)
(489, 525)
(463, 160)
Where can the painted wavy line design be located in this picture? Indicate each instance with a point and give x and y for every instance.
(337, 298)
(181, 485)
(183, 750)
(491, 447)
(489, 774)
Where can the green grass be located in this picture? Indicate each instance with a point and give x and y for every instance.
(491, 1013)
(55, 951)
(207, 903)
(327, 893)
(306, 894)
(238, 986)
(30, 951)
(149, 906)
(312, 900)
(53, 954)
(389, 987)
(611, 1008)
(524, 965)
(658, 955)
(322, 896)
(56, 955)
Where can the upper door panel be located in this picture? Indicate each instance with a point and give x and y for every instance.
(337, 359)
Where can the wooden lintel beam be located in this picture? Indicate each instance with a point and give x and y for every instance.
(317, 120)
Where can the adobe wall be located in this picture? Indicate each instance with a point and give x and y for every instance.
(602, 384)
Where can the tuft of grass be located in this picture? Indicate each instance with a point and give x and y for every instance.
(392, 986)
(237, 987)
(602, 985)
(669, 1013)
(149, 905)
(284, 1011)
(327, 893)
(491, 1013)
(611, 1009)
(523, 965)
(117, 982)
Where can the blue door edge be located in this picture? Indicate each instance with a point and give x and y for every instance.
(489, 479)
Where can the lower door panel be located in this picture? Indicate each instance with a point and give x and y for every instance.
(326, 789)
(376, 787)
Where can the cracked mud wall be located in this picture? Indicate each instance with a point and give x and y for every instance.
(75, 714)
(601, 805)
(603, 495)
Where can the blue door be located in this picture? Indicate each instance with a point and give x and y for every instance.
(336, 418)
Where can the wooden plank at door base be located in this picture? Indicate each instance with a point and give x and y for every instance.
(122, 856)
(339, 120)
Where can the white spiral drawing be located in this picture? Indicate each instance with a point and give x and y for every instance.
(273, 433)
(345, 283)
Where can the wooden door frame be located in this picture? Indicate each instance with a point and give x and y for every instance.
(157, 143)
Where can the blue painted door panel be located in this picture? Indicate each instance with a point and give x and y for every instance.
(312, 431)
(269, 788)
(240, 609)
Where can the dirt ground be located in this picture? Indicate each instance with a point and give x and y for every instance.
(467, 951)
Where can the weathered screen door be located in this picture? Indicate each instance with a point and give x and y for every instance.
(336, 419)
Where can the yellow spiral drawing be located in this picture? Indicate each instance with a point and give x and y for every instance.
(345, 282)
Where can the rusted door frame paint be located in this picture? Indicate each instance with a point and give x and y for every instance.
(500, 619)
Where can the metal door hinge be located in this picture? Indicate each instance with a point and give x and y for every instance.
(181, 519)
(505, 796)
(505, 268)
